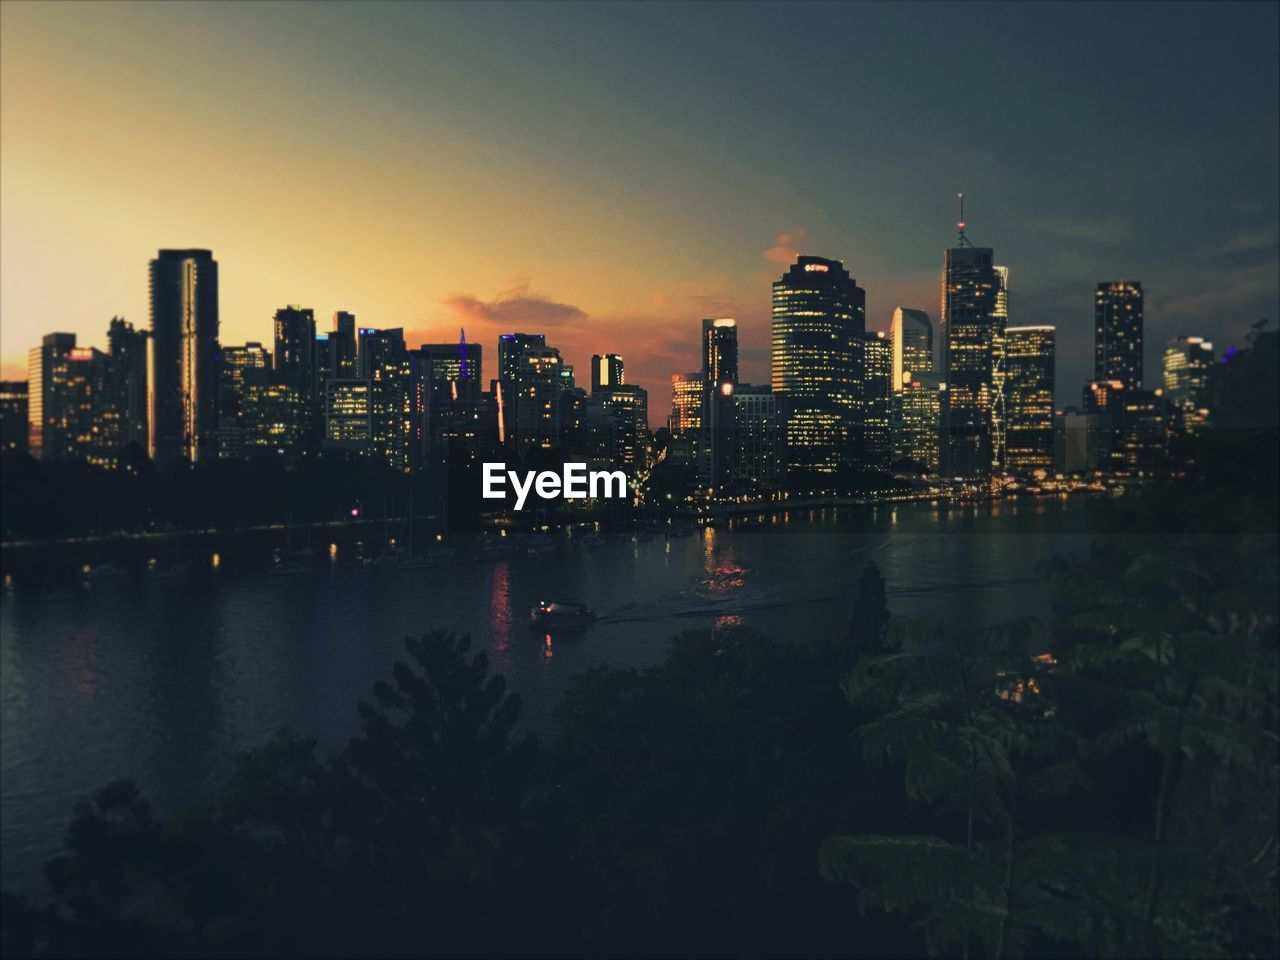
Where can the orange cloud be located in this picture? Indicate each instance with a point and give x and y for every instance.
(514, 309)
(786, 247)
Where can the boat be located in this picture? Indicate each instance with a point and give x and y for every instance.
(561, 613)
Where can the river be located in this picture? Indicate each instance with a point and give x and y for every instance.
(164, 681)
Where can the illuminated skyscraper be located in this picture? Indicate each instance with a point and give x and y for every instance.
(1029, 399)
(917, 420)
(348, 420)
(874, 400)
(756, 416)
(1117, 333)
(686, 403)
(273, 416)
(911, 343)
(511, 347)
(541, 379)
(971, 335)
(13, 417)
(1187, 362)
(619, 418)
(73, 411)
(183, 360)
(819, 316)
(397, 396)
(719, 378)
(606, 371)
(233, 361)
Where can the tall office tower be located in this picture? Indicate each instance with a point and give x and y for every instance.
(234, 361)
(719, 379)
(1117, 333)
(541, 377)
(342, 344)
(348, 420)
(911, 345)
(45, 368)
(273, 416)
(971, 336)
(1187, 363)
(755, 464)
(619, 420)
(13, 417)
(454, 371)
(875, 394)
(295, 356)
(183, 360)
(397, 396)
(506, 396)
(686, 403)
(606, 371)
(819, 315)
(1029, 399)
(917, 421)
(128, 349)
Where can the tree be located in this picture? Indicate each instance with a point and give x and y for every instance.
(869, 627)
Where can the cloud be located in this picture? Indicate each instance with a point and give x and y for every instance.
(514, 308)
(1108, 231)
(785, 248)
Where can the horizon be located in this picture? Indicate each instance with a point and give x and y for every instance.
(611, 193)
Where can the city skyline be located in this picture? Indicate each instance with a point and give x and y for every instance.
(416, 196)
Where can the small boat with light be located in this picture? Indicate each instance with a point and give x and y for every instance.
(561, 613)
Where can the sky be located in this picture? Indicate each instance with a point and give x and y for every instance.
(609, 174)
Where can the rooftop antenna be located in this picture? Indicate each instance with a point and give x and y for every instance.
(964, 241)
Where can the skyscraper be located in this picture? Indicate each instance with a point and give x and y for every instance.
(606, 371)
(510, 348)
(911, 343)
(44, 398)
(874, 400)
(619, 417)
(719, 379)
(1187, 363)
(13, 417)
(819, 315)
(541, 380)
(756, 416)
(234, 361)
(686, 403)
(342, 344)
(295, 353)
(72, 409)
(128, 350)
(1117, 333)
(917, 420)
(183, 367)
(971, 336)
(1029, 399)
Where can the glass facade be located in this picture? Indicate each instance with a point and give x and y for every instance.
(1029, 399)
(971, 333)
(1117, 333)
(819, 316)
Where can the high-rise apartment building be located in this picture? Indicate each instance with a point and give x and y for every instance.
(1029, 399)
(183, 359)
(619, 419)
(686, 403)
(917, 421)
(819, 316)
(1117, 333)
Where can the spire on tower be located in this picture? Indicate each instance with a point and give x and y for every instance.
(462, 353)
(964, 241)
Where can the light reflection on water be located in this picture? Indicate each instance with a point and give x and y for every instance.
(164, 683)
